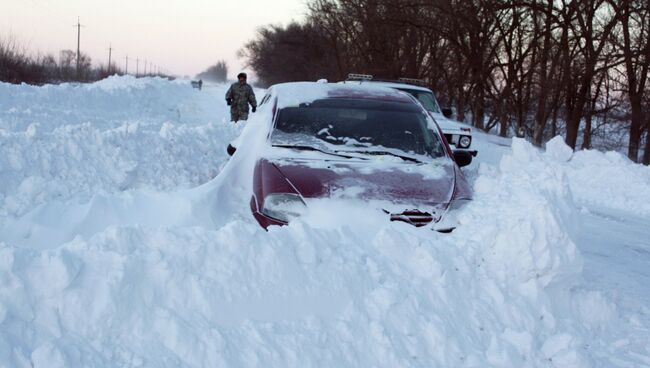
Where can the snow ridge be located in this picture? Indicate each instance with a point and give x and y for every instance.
(120, 249)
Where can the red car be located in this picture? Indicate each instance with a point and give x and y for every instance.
(380, 144)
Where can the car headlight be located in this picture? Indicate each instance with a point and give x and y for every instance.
(283, 206)
(464, 141)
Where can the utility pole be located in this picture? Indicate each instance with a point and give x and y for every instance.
(145, 67)
(110, 50)
(137, 66)
(78, 25)
(126, 68)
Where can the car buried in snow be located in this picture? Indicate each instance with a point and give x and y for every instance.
(327, 140)
(458, 136)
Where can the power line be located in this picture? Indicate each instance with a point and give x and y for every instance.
(153, 69)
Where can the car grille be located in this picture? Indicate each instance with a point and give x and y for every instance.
(413, 217)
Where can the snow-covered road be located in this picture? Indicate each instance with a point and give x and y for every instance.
(616, 249)
(126, 241)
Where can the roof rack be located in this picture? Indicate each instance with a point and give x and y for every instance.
(368, 77)
(417, 82)
(354, 76)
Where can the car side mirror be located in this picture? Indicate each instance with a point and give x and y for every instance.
(447, 112)
(231, 150)
(462, 158)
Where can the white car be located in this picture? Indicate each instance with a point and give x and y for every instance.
(458, 135)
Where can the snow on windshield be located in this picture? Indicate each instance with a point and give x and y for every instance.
(426, 98)
(357, 125)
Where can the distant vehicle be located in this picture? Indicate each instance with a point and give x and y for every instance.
(458, 136)
(197, 84)
(324, 138)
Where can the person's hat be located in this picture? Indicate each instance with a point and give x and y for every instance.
(241, 75)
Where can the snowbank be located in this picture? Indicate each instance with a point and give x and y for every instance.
(610, 180)
(496, 292)
(106, 104)
(81, 160)
(108, 260)
(604, 180)
(121, 133)
(599, 180)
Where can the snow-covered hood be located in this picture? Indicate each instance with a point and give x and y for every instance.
(429, 184)
(447, 125)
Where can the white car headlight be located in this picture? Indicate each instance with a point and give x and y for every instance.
(464, 141)
(283, 206)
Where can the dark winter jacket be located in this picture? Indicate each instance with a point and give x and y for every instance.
(241, 94)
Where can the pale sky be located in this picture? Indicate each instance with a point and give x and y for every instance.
(183, 36)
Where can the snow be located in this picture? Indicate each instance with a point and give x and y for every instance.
(126, 241)
(617, 184)
(297, 93)
(125, 133)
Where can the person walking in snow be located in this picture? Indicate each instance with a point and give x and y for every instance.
(239, 95)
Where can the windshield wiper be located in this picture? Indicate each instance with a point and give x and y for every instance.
(310, 148)
(403, 157)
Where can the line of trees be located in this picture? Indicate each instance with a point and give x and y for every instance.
(533, 68)
(215, 73)
(18, 66)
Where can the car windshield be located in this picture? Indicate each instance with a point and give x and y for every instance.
(357, 125)
(426, 98)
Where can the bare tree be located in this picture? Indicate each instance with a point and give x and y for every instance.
(13, 60)
(542, 67)
(634, 44)
(294, 52)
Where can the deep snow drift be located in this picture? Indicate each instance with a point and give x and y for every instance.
(122, 246)
(65, 141)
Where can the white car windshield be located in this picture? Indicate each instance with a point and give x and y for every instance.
(426, 98)
(358, 125)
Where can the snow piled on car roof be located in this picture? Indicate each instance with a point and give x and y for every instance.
(296, 93)
(390, 84)
(132, 272)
